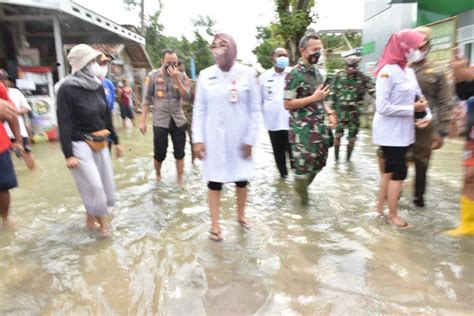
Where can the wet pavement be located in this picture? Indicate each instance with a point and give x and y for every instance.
(331, 257)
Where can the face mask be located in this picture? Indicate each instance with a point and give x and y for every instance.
(94, 70)
(414, 56)
(424, 54)
(313, 58)
(169, 67)
(218, 52)
(282, 62)
(104, 70)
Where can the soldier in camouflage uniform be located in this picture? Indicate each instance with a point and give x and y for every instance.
(304, 96)
(347, 94)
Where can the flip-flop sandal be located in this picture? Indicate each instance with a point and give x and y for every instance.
(405, 225)
(243, 224)
(215, 236)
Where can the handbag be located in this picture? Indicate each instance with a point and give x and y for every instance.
(97, 140)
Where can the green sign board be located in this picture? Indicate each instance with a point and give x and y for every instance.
(443, 40)
(368, 48)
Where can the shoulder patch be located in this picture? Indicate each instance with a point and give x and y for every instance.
(384, 76)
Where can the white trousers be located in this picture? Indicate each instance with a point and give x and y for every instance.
(94, 178)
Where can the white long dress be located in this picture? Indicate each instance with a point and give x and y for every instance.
(223, 126)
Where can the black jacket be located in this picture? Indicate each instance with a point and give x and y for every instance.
(81, 111)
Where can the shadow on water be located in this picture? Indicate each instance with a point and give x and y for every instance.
(330, 257)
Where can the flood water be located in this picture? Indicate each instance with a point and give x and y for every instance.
(332, 257)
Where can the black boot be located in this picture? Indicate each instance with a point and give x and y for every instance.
(350, 148)
(336, 151)
(419, 201)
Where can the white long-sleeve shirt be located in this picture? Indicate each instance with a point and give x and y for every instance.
(272, 84)
(226, 113)
(20, 103)
(394, 123)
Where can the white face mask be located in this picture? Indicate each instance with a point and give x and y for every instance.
(94, 70)
(104, 70)
(414, 56)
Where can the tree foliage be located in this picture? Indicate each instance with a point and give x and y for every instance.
(198, 48)
(336, 42)
(293, 18)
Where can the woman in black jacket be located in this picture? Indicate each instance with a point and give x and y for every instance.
(85, 122)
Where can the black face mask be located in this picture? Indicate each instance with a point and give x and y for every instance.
(313, 58)
(169, 67)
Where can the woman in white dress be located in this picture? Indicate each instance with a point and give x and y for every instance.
(225, 122)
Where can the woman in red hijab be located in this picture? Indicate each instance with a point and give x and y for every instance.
(399, 102)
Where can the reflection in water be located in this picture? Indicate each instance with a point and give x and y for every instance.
(330, 257)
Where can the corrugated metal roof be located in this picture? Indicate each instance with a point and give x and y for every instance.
(78, 11)
(138, 56)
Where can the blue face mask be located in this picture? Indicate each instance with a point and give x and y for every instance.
(282, 62)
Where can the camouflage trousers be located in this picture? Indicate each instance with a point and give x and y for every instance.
(309, 159)
(349, 120)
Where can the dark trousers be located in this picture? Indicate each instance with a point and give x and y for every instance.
(421, 151)
(281, 146)
(160, 141)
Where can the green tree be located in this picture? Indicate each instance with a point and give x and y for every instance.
(203, 31)
(198, 49)
(269, 41)
(334, 43)
(293, 19)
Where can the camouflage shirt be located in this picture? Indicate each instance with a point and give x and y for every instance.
(347, 92)
(306, 123)
(187, 103)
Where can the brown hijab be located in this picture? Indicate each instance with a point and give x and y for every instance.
(226, 60)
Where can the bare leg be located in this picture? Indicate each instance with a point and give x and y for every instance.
(157, 169)
(104, 229)
(4, 208)
(241, 202)
(179, 172)
(91, 223)
(382, 194)
(133, 122)
(29, 160)
(213, 200)
(394, 187)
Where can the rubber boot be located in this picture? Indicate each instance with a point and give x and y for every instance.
(350, 148)
(466, 227)
(336, 151)
(301, 187)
